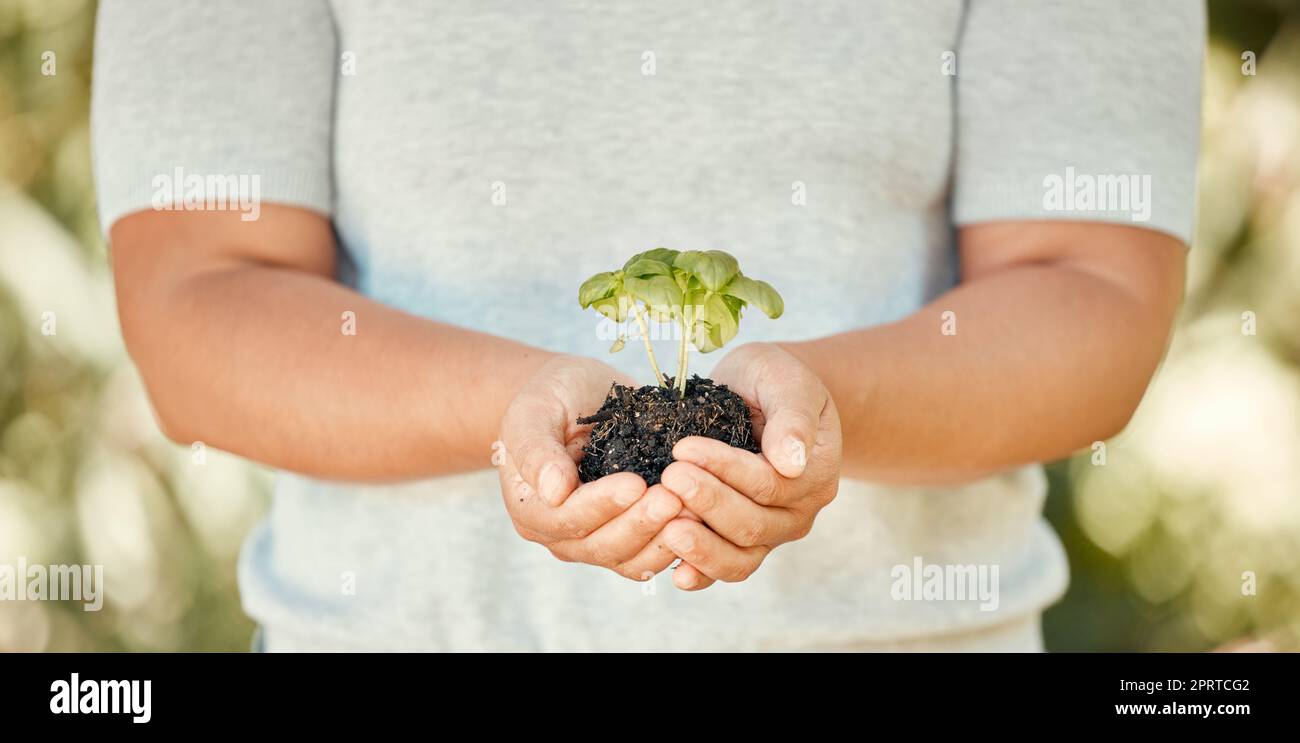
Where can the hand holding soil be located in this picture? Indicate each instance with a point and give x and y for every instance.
(750, 503)
(725, 502)
(614, 522)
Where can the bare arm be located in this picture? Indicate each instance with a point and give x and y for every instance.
(237, 330)
(1059, 327)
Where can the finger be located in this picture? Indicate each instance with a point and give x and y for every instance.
(534, 436)
(732, 515)
(746, 472)
(790, 402)
(791, 414)
(627, 534)
(710, 553)
(688, 578)
(512, 484)
(514, 491)
(653, 559)
(590, 507)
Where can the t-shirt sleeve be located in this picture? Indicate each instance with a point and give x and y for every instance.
(238, 94)
(1079, 110)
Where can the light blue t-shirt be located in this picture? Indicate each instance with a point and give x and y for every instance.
(480, 159)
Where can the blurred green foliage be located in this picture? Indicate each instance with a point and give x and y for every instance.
(85, 477)
(1202, 488)
(1201, 493)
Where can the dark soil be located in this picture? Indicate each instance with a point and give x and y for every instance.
(635, 429)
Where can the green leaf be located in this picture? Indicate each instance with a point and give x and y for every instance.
(644, 267)
(713, 268)
(693, 302)
(716, 325)
(665, 256)
(683, 279)
(723, 323)
(758, 293)
(702, 338)
(615, 307)
(600, 286)
(660, 293)
(735, 305)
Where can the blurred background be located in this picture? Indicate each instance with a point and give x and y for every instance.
(1196, 500)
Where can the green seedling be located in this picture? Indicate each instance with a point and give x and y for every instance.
(703, 292)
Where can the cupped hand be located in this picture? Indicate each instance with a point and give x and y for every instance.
(614, 522)
(751, 503)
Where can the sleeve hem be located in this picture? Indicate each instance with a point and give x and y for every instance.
(146, 189)
(1173, 215)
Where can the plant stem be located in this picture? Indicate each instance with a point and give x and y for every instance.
(649, 349)
(681, 354)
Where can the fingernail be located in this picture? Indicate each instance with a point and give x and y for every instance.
(551, 483)
(798, 454)
(661, 509)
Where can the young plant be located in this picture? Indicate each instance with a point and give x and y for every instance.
(703, 292)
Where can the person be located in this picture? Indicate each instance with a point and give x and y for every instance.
(977, 214)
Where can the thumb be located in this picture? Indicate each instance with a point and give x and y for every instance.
(534, 439)
(791, 412)
(788, 436)
(790, 398)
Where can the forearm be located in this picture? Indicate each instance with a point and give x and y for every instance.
(253, 359)
(1045, 359)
